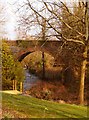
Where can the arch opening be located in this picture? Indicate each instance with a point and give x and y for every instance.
(34, 64)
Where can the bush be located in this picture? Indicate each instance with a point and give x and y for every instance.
(11, 70)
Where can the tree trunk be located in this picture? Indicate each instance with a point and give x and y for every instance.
(15, 85)
(84, 63)
(21, 87)
(83, 73)
(43, 66)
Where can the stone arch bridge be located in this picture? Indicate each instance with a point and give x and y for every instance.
(22, 48)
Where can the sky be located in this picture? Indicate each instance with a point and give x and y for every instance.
(11, 17)
(11, 22)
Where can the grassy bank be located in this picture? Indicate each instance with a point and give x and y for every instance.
(18, 106)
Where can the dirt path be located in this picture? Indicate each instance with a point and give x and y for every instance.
(11, 92)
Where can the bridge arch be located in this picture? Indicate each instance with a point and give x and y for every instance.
(22, 54)
(49, 47)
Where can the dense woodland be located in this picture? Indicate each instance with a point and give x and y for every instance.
(56, 21)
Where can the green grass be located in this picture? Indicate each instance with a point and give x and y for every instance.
(18, 106)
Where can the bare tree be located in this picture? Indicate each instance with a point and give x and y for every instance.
(76, 27)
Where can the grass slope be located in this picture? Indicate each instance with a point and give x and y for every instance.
(18, 106)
